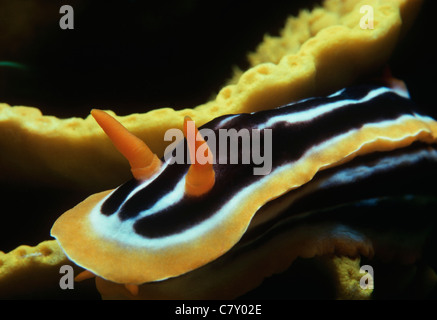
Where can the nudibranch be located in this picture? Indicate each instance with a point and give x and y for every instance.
(173, 218)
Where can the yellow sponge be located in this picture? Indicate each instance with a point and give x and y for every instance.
(30, 270)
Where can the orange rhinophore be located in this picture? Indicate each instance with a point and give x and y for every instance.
(144, 163)
(200, 177)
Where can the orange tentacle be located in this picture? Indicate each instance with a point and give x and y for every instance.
(144, 163)
(200, 177)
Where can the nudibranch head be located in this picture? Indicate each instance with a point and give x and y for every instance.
(185, 215)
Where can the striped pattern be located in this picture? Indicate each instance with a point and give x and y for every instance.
(153, 222)
(377, 175)
(294, 134)
(314, 220)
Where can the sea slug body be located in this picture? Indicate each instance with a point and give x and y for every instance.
(154, 227)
